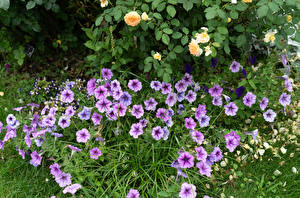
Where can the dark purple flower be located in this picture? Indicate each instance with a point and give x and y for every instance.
(188, 68)
(115, 85)
(252, 60)
(63, 179)
(95, 153)
(136, 130)
(96, 118)
(133, 194)
(70, 111)
(235, 67)
(215, 91)
(1, 145)
(27, 140)
(117, 93)
(157, 133)
(239, 91)
(231, 109)
(181, 86)
(36, 159)
(103, 105)
(125, 99)
(214, 62)
(10, 119)
(110, 115)
(137, 111)
(7, 66)
(119, 109)
(162, 114)
(191, 96)
(166, 133)
(204, 168)
(156, 85)
(135, 85)
(100, 92)
(106, 73)
(186, 160)
(85, 113)
(201, 153)
(180, 96)
(244, 72)
(82, 135)
(67, 96)
(200, 111)
(150, 104)
(249, 99)
(166, 88)
(187, 79)
(55, 170)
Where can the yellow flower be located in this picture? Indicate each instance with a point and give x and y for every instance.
(104, 3)
(247, 1)
(207, 50)
(228, 20)
(132, 18)
(157, 56)
(289, 18)
(58, 42)
(1, 93)
(194, 48)
(145, 16)
(203, 37)
(270, 37)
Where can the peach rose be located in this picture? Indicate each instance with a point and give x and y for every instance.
(132, 18)
(194, 48)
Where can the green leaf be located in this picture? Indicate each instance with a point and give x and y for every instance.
(262, 11)
(175, 22)
(222, 14)
(161, 7)
(157, 15)
(147, 67)
(297, 36)
(251, 83)
(222, 30)
(155, 3)
(174, 2)
(239, 28)
(30, 5)
(4, 4)
(163, 194)
(176, 35)
(234, 14)
(171, 10)
(241, 6)
(178, 49)
(158, 34)
(187, 5)
(145, 8)
(210, 13)
(165, 39)
(166, 77)
(118, 14)
(167, 31)
(273, 6)
(216, 44)
(185, 30)
(184, 40)
(241, 40)
(243, 83)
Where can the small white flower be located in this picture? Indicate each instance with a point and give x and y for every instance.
(223, 164)
(261, 151)
(266, 145)
(283, 150)
(234, 1)
(277, 172)
(294, 170)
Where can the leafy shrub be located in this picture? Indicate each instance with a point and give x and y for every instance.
(123, 140)
(168, 27)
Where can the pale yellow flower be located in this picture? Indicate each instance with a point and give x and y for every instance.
(145, 16)
(228, 20)
(289, 18)
(207, 50)
(202, 37)
(1, 93)
(104, 3)
(194, 48)
(132, 18)
(157, 56)
(247, 1)
(270, 37)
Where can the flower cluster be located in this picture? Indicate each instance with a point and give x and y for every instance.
(202, 38)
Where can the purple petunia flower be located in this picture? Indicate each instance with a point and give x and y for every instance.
(186, 160)
(180, 96)
(69, 111)
(110, 115)
(143, 122)
(249, 99)
(117, 93)
(100, 92)
(82, 135)
(284, 59)
(150, 104)
(67, 96)
(74, 149)
(26, 129)
(119, 109)
(264, 103)
(27, 140)
(217, 153)
(200, 111)
(232, 140)
(115, 85)
(204, 121)
(85, 113)
(239, 91)
(137, 111)
(215, 91)
(22, 153)
(204, 168)
(166, 133)
(191, 96)
(214, 62)
(217, 101)
(288, 85)
(163, 114)
(10, 119)
(171, 99)
(157, 133)
(201, 154)
(171, 112)
(125, 99)
(136, 130)
(57, 135)
(252, 133)
(269, 115)
(106, 73)
(190, 123)
(197, 136)
(96, 118)
(285, 99)
(1, 145)
(55, 170)
(244, 72)
(63, 179)
(19, 108)
(188, 68)
(133, 194)
(187, 79)
(103, 105)
(91, 86)
(95, 153)
(231, 109)
(135, 85)
(36, 159)
(64, 122)
(181, 86)
(235, 67)
(156, 85)
(187, 191)
(72, 189)
(252, 60)
(39, 142)
(52, 111)
(166, 88)
(1, 125)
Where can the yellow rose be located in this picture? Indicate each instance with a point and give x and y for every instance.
(247, 1)
(132, 18)
(194, 48)
(145, 16)
(289, 18)
(104, 3)
(207, 50)
(157, 56)
(228, 20)
(203, 37)
(270, 36)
